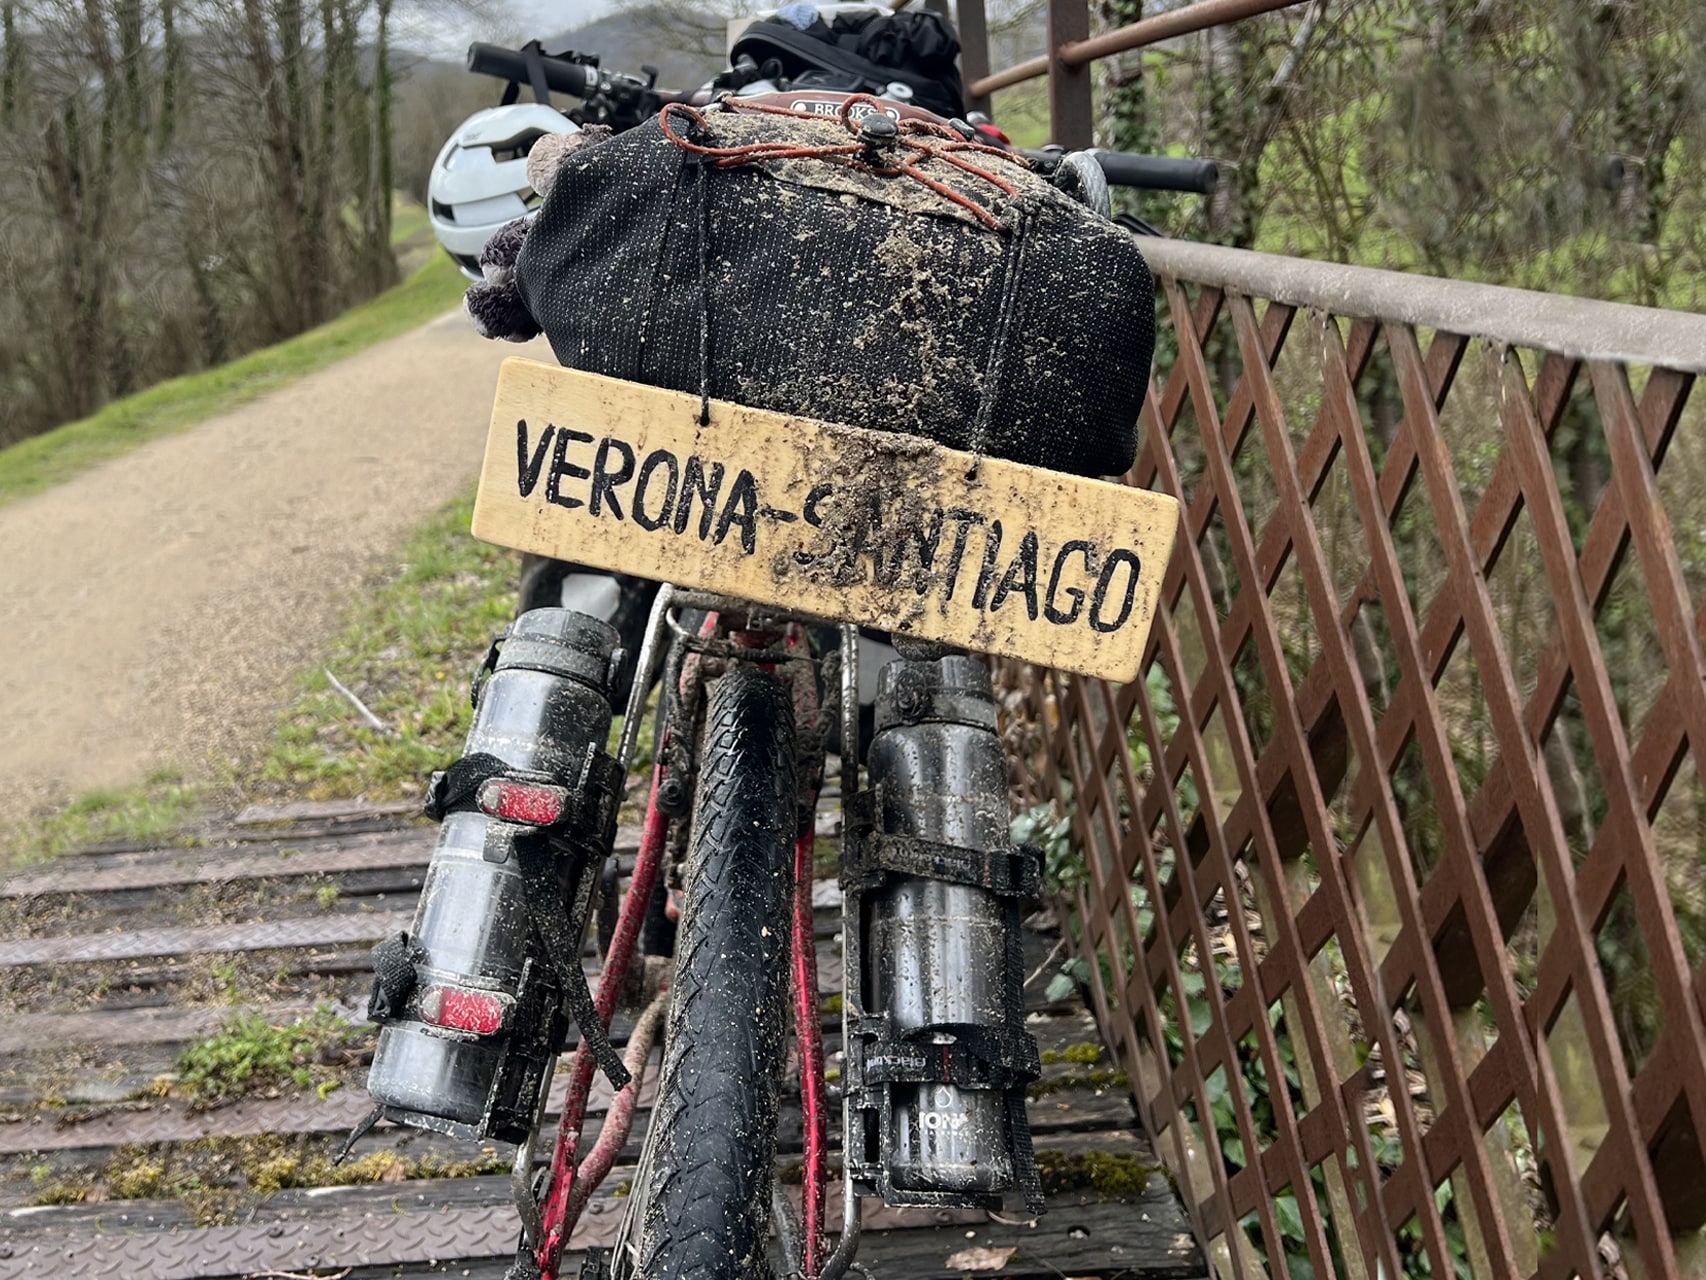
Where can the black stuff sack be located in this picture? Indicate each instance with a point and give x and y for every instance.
(860, 51)
(894, 277)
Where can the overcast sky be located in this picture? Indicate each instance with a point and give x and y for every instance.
(446, 32)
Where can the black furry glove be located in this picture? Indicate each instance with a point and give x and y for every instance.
(495, 304)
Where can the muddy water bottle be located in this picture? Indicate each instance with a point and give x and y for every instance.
(473, 1005)
(941, 882)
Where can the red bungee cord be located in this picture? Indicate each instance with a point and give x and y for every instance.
(921, 140)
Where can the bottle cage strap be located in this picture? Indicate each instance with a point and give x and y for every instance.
(394, 978)
(1025, 1171)
(544, 896)
(1009, 873)
(593, 796)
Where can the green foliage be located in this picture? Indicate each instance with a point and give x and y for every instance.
(250, 1054)
(1067, 979)
(1063, 862)
(1022, 113)
(45, 460)
(1546, 144)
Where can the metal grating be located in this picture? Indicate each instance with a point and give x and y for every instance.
(260, 935)
(1393, 899)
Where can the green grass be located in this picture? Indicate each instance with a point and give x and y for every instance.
(250, 1054)
(407, 651)
(155, 809)
(55, 456)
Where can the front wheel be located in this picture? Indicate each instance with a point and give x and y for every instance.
(713, 1143)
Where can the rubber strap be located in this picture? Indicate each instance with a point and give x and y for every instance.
(1018, 1121)
(1014, 872)
(394, 978)
(1008, 873)
(544, 896)
(536, 72)
(456, 789)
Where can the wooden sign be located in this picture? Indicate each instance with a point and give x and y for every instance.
(885, 530)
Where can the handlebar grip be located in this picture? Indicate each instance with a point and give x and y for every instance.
(1158, 173)
(510, 64)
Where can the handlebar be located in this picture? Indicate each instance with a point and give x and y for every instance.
(578, 80)
(572, 78)
(1158, 173)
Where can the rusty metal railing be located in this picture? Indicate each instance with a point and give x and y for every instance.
(1392, 891)
(1072, 49)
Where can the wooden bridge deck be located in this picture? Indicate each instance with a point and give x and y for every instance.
(113, 960)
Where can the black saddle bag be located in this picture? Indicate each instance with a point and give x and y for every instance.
(899, 278)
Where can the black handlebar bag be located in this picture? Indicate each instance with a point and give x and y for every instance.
(898, 277)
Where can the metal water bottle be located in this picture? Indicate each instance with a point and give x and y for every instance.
(475, 1015)
(936, 952)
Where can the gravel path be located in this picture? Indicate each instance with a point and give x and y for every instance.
(154, 610)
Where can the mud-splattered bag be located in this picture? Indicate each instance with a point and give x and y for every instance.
(901, 278)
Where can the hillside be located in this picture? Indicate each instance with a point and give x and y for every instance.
(684, 46)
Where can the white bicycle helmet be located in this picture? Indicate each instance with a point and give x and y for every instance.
(479, 181)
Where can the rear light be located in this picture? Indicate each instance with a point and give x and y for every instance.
(463, 1009)
(536, 804)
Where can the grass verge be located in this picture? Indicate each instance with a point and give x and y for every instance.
(155, 809)
(55, 456)
(408, 646)
(407, 650)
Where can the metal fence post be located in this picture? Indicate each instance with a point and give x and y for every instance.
(974, 51)
(1071, 115)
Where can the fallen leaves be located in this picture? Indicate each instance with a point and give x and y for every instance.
(979, 1258)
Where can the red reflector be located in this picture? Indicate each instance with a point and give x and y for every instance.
(460, 1009)
(534, 803)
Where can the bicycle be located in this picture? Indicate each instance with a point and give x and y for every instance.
(758, 640)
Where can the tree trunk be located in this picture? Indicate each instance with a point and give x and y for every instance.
(384, 265)
(1125, 116)
(171, 71)
(297, 312)
(11, 63)
(1229, 55)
